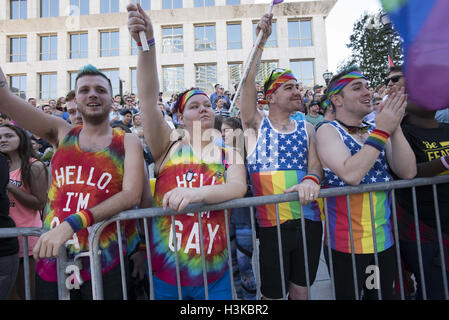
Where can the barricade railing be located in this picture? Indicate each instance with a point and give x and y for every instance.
(145, 214)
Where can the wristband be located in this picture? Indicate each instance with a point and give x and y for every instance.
(377, 139)
(259, 46)
(151, 43)
(80, 220)
(444, 162)
(312, 177)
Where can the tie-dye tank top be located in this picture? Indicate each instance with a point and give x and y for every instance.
(359, 206)
(184, 169)
(80, 180)
(279, 161)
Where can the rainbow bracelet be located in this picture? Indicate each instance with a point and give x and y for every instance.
(81, 219)
(151, 43)
(313, 177)
(377, 139)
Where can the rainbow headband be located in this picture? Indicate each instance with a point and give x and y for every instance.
(186, 96)
(341, 83)
(283, 78)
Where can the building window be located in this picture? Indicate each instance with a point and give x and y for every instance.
(79, 7)
(300, 33)
(134, 48)
(232, 2)
(109, 6)
(49, 8)
(18, 85)
(78, 46)
(173, 78)
(234, 73)
(18, 49)
(48, 46)
(206, 77)
(203, 3)
(172, 39)
(272, 39)
(114, 76)
(18, 9)
(72, 79)
(48, 86)
(145, 4)
(205, 37)
(264, 71)
(133, 80)
(234, 36)
(109, 44)
(303, 71)
(171, 4)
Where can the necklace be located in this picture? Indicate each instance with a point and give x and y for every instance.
(356, 130)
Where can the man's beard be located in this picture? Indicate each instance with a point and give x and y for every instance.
(95, 119)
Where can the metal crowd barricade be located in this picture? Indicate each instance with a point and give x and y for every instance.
(277, 199)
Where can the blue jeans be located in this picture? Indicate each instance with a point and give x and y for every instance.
(432, 268)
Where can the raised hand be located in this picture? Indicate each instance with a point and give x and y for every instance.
(390, 115)
(138, 21)
(265, 25)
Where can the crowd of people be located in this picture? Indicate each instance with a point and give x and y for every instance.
(93, 151)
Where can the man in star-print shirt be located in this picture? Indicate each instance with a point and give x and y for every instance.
(282, 158)
(354, 153)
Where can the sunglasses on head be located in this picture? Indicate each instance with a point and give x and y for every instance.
(270, 80)
(394, 79)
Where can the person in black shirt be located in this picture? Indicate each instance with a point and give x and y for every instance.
(430, 143)
(9, 247)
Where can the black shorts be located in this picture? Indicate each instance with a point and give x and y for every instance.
(292, 253)
(365, 266)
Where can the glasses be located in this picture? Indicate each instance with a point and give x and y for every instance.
(268, 83)
(394, 79)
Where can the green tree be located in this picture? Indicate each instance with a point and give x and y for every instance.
(369, 49)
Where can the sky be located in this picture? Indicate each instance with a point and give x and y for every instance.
(339, 24)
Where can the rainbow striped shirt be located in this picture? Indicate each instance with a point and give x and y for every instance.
(81, 180)
(279, 161)
(359, 207)
(184, 169)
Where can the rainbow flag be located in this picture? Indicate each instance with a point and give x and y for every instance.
(424, 27)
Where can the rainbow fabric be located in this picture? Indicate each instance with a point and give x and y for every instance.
(424, 28)
(360, 208)
(82, 180)
(341, 83)
(186, 96)
(283, 78)
(184, 169)
(278, 162)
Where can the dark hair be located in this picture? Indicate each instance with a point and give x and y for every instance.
(396, 68)
(70, 95)
(121, 126)
(4, 116)
(90, 70)
(217, 122)
(125, 112)
(25, 151)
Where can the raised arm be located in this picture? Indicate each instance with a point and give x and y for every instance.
(249, 113)
(156, 130)
(49, 127)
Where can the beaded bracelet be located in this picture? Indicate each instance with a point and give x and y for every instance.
(151, 43)
(313, 177)
(80, 220)
(444, 162)
(377, 139)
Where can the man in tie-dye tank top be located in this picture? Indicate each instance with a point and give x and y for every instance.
(190, 169)
(355, 153)
(282, 158)
(95, 175)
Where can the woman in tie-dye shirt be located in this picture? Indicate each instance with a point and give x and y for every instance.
(190, 168)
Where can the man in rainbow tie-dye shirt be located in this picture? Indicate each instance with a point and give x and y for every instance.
(353, 152)
(97, 172)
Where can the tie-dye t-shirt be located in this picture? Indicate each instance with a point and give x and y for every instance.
(184, 169)
(82, 180)
(279, 161)
(360, 208)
